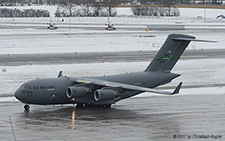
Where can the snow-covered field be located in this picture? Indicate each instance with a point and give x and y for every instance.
(25, 41)
(32, 40)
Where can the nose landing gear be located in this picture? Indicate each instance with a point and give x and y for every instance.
(26, 107)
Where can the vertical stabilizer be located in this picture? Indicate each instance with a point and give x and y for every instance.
(170, 52)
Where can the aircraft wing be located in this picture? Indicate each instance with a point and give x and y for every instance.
(126, 86)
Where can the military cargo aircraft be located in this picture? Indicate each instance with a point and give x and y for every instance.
(103, 91)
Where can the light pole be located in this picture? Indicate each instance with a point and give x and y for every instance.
(205, 12)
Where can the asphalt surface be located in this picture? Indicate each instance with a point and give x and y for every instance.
(194, 117)
(95, 57)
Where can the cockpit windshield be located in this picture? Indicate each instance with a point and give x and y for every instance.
(25, 86)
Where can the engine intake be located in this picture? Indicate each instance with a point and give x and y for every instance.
(104, 94)
(76, 91)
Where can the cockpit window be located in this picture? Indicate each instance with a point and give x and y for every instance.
(25, 86)
(22, 86)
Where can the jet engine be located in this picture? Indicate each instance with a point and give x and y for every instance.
(77, 91)
(105, 94)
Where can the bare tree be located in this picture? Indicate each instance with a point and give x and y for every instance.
(86, 6)
(108, 5)
(68, 4)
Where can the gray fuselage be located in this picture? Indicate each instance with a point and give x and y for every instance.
(53, 90)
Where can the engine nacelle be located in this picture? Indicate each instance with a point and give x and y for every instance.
(104, 94)
(76, 91)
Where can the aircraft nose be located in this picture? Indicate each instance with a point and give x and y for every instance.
(18, 94)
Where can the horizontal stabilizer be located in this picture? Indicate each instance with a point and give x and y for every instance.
(191, 39)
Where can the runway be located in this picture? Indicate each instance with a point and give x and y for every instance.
(148, 118)
(93, 57)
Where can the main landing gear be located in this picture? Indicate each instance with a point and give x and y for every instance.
(26, 107)
(93, 106)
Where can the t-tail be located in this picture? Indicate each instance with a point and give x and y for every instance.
(170, 52)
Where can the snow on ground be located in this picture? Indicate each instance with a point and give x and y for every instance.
(194, 72)
(8, 99)
(194, 12)
(17, 41)
(190, 91)
(200, 72)
(86, 42)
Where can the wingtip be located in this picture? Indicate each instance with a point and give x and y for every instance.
(177, 89)
(60, 74)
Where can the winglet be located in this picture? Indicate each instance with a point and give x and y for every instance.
(60, 74)
(177, 89)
